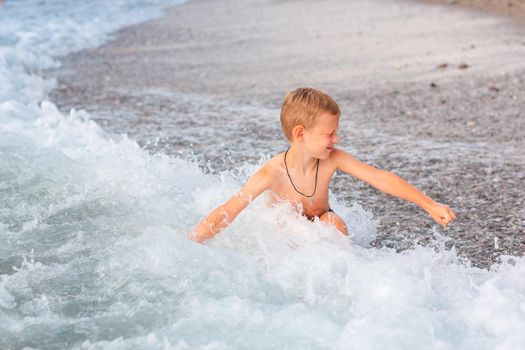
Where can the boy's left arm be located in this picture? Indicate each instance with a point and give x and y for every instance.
(390, 183)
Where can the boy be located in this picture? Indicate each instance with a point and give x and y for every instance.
(302, 174)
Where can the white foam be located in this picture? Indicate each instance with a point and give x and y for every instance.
(117, 220)
(94, 251)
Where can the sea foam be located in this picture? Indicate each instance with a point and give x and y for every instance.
(94, 252)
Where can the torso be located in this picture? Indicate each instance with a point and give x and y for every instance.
(283, 190)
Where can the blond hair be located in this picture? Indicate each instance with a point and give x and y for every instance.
(303, 106)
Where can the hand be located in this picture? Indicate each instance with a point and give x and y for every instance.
(442, 214)
(194, 235)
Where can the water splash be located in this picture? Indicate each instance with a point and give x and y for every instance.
(95, 255)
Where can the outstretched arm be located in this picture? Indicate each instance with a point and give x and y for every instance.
(390, 183)
(225, 213)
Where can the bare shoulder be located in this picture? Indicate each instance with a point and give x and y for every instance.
(347, 163)
(267, 173)
(276, 164)
(339, 157)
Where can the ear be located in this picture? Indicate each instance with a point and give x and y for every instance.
(298, 132)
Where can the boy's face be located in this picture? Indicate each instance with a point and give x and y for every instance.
(320, 138)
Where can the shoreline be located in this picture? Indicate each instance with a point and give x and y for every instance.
(178, 88)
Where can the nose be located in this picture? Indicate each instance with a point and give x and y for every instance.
(335, 139)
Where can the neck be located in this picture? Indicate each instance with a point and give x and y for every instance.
(300, 160)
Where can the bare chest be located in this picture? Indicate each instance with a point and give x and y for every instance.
(314, 198)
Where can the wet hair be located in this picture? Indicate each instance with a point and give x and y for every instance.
(303, 106)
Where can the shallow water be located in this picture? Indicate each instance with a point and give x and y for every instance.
(95, 255)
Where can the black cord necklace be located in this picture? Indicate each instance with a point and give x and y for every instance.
(295, 188)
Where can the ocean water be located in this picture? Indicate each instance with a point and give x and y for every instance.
(94, 253)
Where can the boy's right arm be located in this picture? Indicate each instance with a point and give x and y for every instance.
(225, 213)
